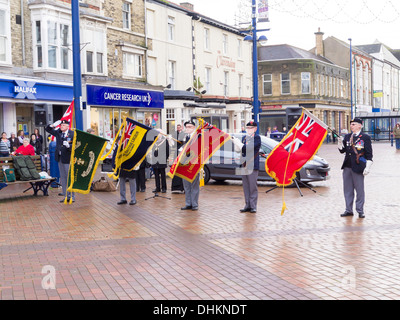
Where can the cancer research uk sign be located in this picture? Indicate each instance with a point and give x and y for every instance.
(124, 97)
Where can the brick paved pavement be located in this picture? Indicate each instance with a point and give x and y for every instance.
(153, 250)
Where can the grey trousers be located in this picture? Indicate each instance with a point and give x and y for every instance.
(353, 182)
(64, 169)
(250, 189)
(122, 188)
(192, 191)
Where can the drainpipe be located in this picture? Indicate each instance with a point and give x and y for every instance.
(23, 32)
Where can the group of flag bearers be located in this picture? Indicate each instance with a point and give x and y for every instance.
(78, 154)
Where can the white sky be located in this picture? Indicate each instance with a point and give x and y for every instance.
(294, 22)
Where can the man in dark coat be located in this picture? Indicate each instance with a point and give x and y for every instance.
(159, 162)
(64, 138)
(250, 163)
(356, 165)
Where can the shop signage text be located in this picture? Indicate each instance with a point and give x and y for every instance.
(124, 97)
(25, 89)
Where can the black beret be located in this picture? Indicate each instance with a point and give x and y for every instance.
(189, 122)
(64, 122)
(358, 120)
(252, 123)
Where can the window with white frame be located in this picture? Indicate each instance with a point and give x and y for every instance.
(207, 80)
(5, 32)
(226, 83)
(305, 83)
(52, 43)
(206, 39)
(225, 44)
(171, 28)
(126, 15)
(172, 73)
(267, 84)
(239, 47)
(285, 83)
(240, 84)
(94, 51)
(132, 64)
(170, 114)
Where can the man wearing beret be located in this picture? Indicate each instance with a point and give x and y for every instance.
(250, 164)
(64, 138)
(356, 165)
(192, 189)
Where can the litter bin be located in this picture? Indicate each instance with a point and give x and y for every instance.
(54, 171)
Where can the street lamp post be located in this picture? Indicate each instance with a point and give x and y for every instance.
(254, 39)
(77, 76)
(351, 80)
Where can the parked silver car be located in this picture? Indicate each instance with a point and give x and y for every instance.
(223, 164)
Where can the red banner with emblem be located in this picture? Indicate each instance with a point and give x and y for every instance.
(69, 116)
(205, 141)
(296, 149)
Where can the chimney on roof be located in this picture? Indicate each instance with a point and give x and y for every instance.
(319, 47)
(187, 5)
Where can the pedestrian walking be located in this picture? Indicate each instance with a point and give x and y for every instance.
(396, 135)
(356, 165)
(250, 165)
(192, 189)
(64, 138)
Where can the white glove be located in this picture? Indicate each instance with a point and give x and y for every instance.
(238, 145)
(55, 124)
(367, 168)
(340, 143)
(66, 144)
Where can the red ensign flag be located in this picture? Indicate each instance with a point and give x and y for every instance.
(296, 148)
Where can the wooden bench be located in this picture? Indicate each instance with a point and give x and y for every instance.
(36, 185)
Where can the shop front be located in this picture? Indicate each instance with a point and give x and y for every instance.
(26, 104)
(108, 106)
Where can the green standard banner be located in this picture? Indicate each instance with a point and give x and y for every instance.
(86, 152)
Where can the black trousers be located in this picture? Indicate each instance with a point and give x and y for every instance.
(161, 180)
(141, 179)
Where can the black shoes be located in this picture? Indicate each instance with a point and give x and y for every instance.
(248, 210)
(186, 208)
(122, 202)
(350, 214)
(163, 191)
(347, 214)
(73, 200)
(156, 190)
(132, 202)
(253, 210)
(195, 208)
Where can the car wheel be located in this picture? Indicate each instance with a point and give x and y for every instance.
(206, 175)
